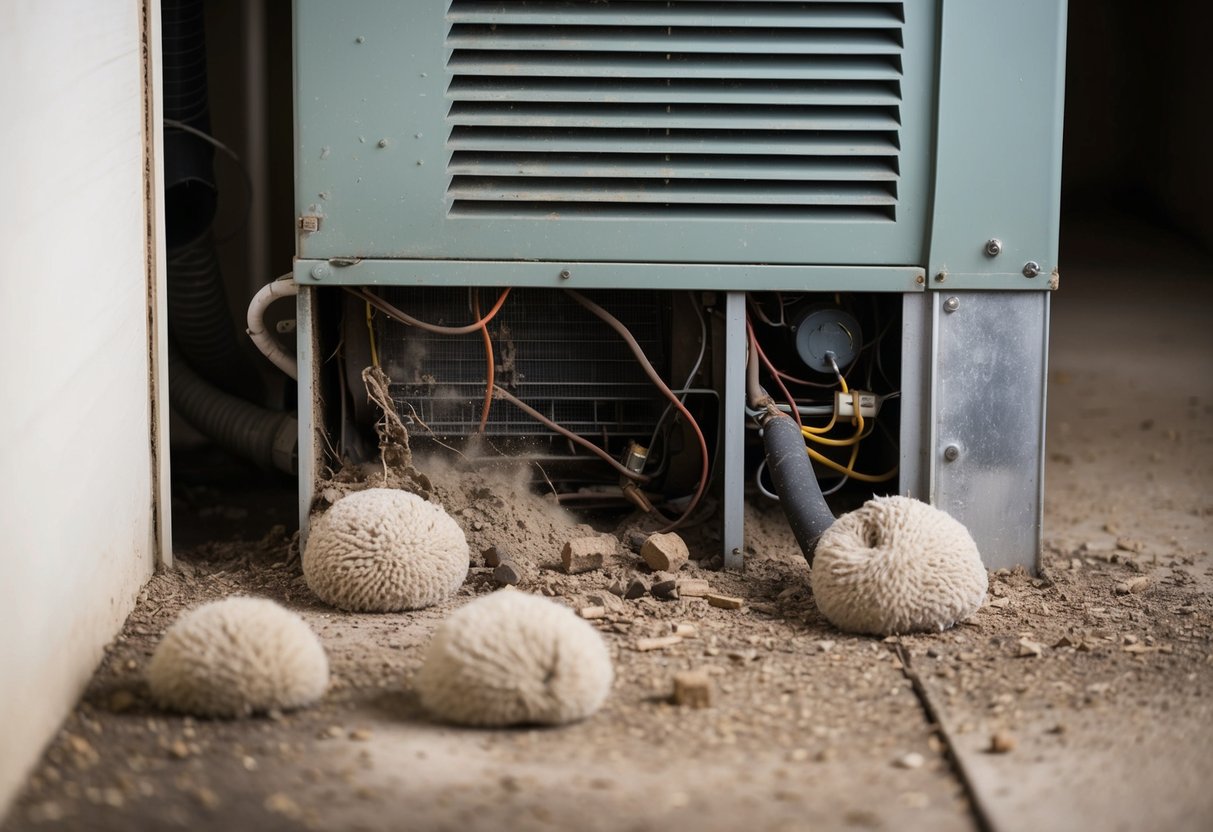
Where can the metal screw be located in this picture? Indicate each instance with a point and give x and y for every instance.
(565, 275)
(951, 304)
(993, 247)
(1031, 268)
(921, 279)
(941, 277)
(383, 142)
(320, 271)
(360, 39)
(951, 453)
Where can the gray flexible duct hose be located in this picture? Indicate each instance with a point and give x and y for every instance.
(795, 483)
(266, 437)
(201, 323)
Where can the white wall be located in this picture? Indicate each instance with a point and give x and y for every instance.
(77, 470)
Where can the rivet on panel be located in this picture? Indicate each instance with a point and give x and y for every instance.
(951, 453)
(1031, 268)
(993, 247)
(320, 271)
(565, 274)
(941, 277)
(382, 142)
(951, 304)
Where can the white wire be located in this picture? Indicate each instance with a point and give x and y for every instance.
(758, 481)
(206, 137)
(763, 489)
(270, 347)
(686, 386)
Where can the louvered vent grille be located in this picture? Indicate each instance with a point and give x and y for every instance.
(674, 109)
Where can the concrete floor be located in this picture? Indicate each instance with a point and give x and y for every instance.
(1108, 709)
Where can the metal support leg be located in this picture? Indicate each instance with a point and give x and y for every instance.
(306, 340)
(991, 360)
(733, 533)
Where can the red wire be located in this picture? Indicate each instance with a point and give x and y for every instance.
(774, 373)
(488, 355)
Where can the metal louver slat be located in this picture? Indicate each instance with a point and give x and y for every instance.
(559, 12)
(634, 39)
(604, 165)
(674, 142)
(657, 116)
(639, 65)
(660, 91)
(718, 192)
(582, 108)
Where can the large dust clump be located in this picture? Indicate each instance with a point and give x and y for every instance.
(385, 550)
(237, 657)
(897, 565)
(514, 659)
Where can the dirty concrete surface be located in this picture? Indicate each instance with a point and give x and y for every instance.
(1079, 698)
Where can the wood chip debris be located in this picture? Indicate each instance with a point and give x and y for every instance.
(659, 643)
(1133, 585)
(724, 602)
(591, 613)
(1002, 742)
(585, 554)
(1029, 649)
(692, 689)
(665, 552)
(694, 588)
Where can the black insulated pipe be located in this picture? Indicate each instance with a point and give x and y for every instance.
(190, 194)
(266, 437)
(201, 322)
(795, 483)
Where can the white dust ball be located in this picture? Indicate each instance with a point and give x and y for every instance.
(237, 657)
(385, 550)
(514, 659)
(897, 565)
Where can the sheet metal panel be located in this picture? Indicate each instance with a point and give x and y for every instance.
(991, 359)
(998, 151)
(376, 129)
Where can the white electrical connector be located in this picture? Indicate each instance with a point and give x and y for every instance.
(844, 406)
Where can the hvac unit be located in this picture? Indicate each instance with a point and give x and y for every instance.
(870, 188)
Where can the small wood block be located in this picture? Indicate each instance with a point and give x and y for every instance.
(692, 689)
(592, 612)
(665, 552)
(583, 554)
(724, 602)
(660, 643)
(694, 588)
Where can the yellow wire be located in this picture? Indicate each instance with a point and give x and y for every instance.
(844, 469)
(828, 427)
(806, 430)
(813, 434)
(853, 441)
(840, 443)
(370, 328)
